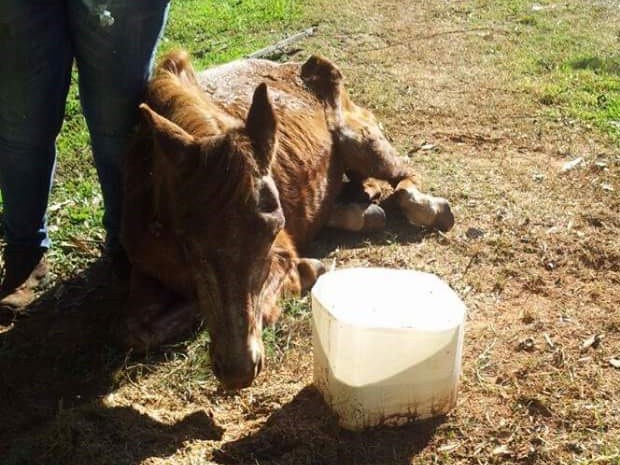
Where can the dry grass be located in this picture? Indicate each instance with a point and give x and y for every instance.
(542, 279)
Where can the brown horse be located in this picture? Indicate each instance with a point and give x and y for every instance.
(224, 183)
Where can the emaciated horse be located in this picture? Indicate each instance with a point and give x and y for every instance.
(232, 171)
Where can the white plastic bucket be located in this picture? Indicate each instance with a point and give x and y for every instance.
(387, 345)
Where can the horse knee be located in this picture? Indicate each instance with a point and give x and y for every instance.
(155, 315)
(150, 326)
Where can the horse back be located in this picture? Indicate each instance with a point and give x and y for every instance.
(306, 171)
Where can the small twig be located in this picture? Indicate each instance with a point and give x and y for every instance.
(430, 36)
(484, 353)
(278, 47)
(471, 262)
(604, 458)
(549, 341)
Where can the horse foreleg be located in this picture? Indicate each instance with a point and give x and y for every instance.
(419, 208)
(156, 315)
(423, 209)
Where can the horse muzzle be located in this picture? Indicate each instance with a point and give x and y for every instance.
(238, 370)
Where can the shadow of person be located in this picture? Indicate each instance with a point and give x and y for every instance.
(103, 435)
(61, 358)
(305, 431)
(56, 363)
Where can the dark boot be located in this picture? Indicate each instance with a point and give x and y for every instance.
(25, 270)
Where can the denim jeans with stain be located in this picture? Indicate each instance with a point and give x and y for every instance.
(112, 43)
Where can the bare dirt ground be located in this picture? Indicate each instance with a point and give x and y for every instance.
(534, 255)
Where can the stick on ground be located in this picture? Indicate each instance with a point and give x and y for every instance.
(279, 47)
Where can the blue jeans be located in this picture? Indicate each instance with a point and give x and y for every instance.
(39, 39)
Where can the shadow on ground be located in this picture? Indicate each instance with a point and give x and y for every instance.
(398, 231)
(62, 355)
(305, 431)
(610, 65)
(60, 359)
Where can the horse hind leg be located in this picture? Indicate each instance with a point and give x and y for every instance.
(357, 217)
(366, 152)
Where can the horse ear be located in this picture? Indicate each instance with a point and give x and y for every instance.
(324, 78)
(171, 138)
(261, 126)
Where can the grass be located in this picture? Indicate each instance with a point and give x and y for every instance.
(277, 338)
(554, 53)
(217, 31)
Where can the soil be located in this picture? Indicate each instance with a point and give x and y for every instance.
(534, 255)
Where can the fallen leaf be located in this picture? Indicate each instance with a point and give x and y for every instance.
(575, 447)
(535, 406)
(571, 165)
(527, 344)
(57, 206)
(449, 447)
(502, 450)
(474, 233)
(593, 341)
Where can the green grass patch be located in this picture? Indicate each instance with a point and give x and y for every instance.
(564, 54)
(277, 338)
(217, 31)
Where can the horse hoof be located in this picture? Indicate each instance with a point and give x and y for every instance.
(309, 270)
(426, 210)
(374, 218)
(444, 220)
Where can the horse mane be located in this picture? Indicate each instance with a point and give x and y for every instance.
(174, 93)
(224, 168)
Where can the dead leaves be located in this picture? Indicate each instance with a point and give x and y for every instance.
(527, 344)
(593, 342)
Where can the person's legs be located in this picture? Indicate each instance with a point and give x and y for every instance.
(114, 61)
(35, 73)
